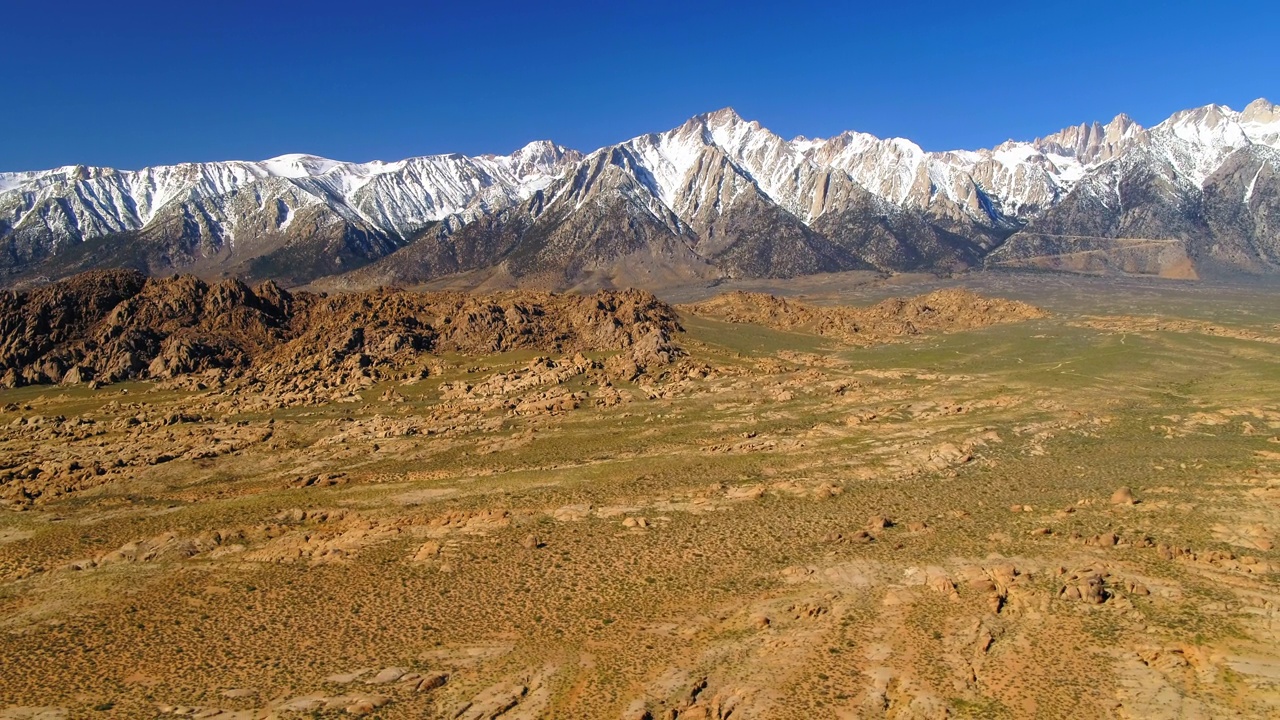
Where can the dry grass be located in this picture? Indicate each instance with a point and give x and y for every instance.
(692, 548)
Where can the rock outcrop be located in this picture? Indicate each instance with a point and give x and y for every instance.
(938, 311)
(118, 325)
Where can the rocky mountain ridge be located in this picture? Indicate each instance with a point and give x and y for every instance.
(113, 325)
(948, 310)
(717, 197)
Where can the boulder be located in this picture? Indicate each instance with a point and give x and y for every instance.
(1123, 496)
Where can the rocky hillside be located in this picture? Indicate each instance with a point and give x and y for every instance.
(717, 197)
(108, 326)
(889, 320)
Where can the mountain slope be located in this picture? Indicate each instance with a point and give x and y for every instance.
(293, 217)
(718, 196)
(1199, 187)
(601, 221)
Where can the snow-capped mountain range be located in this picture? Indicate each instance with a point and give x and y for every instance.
(718, 195)
(79, 202)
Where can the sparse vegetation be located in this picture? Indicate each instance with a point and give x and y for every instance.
(773, 525)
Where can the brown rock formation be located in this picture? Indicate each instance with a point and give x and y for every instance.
(117, 325)
(938, 311)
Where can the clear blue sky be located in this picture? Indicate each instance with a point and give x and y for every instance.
(139, 82)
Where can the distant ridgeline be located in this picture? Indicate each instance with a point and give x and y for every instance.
(717, 197)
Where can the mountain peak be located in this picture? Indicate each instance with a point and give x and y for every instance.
(298, 165)
(540, 150)
(539, 146)
(1121, 122)
(294, 157)
(1260, 111)
(1209, 116)
(725, 115)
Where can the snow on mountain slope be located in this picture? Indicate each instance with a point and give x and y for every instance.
(1202, 180)
(989, 187)
(1197, 141)
(1090, 144)
(14, 180)
(78, 202)
(1024, 179)
(1261, 122)
(1013, 180)
(675, 164)
(1178, 156)
(673, 157)
(696, 172)
(605, 177)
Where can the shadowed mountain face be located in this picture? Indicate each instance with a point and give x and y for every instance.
(718, 196)
(1241, 206)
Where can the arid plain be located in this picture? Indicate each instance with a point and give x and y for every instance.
(960, 505)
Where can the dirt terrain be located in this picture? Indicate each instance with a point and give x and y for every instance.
(939, 311)
(243, 503)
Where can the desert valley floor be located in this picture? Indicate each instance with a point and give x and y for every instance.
(951, 507)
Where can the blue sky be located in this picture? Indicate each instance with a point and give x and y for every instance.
(136, 83)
